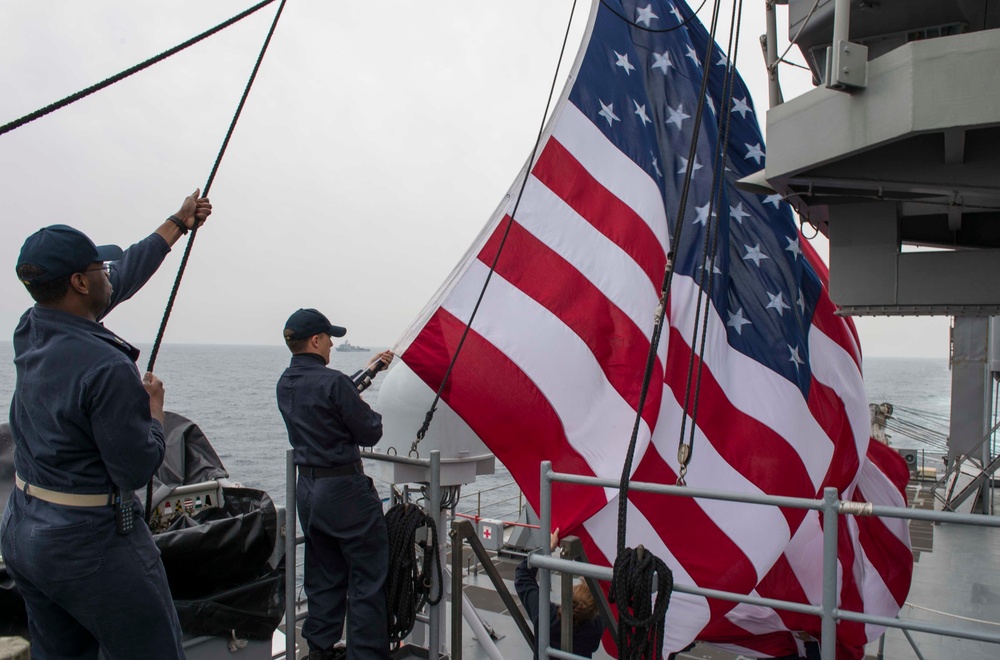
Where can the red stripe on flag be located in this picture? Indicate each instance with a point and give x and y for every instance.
(506, 410)
(881, 546)
(617, 343)
(838, 328)
(828, 409)
(753, 449)
(678, 520)
(851, 637)
(566, 177)
(883, 550)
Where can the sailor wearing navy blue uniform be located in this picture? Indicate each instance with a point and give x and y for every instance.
(587, 623)
(346, 542)
(85, 427)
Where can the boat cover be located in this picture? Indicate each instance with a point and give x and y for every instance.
(220, 560)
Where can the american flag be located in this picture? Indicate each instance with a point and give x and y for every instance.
(553, 365)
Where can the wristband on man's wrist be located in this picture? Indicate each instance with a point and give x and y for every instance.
(180, 223)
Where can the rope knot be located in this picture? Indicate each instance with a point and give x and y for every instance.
(641, 619)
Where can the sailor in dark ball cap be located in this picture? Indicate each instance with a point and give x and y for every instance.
(87, 431)
(347, 544)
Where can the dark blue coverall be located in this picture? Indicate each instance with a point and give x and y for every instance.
(586, 634)
(81, 424)
(347, 545)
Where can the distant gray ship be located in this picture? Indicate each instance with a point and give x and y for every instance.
(348, 347)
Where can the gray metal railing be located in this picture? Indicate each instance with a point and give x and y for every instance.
(830, 507)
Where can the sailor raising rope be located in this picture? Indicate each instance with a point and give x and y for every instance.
(87, 431)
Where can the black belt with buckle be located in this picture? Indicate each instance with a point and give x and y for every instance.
(338, 471)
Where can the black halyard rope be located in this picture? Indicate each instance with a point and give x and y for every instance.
(208, 186)
(194, 231)
(503, 241)
(17, 123)
(408, 584)
(641, 624)
(686, 451)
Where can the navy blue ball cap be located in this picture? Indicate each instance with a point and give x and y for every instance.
(59, 251)
(305, 323)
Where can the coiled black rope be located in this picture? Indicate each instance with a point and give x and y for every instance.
(17, 123)
(408, 585)
(641, 621)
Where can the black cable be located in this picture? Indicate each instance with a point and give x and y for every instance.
(503, 241)
(408, 583)
(646, 29)
(640, 630)
(194, 231)
(712, 227)
(17, 123)
(664, 291)
(208, 185)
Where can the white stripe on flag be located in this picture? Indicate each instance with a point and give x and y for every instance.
(553, 222)
(835, 368)
(613, 170)
(760, 532)
(554, 357)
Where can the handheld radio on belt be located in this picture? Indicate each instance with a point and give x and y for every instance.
(124, 510)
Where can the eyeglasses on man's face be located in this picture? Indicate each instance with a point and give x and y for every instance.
(105, 268)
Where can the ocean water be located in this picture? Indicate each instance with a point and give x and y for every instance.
(229, 392)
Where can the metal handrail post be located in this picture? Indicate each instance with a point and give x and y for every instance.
(434, 510)
(830, 523)
(457, 550)
(913, 644)
(841, 22)
(544, 577)
(290, 562)
(771, 54)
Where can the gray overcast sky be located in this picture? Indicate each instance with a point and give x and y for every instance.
(376, 142)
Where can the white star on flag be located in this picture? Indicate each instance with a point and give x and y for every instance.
(677, 12)
(793, 246)
(723, 60)
(624, 63)
(754, 254)
(608, 112)
(662, 61)
(708, 265)
(773, 199)
(801, 302)
(754, 152)
(644, 15)
(692, 55)
(795, 359)
(737, 321)
(677, 115)
(702, 218)
(777, 303)
(741, 106)
(656, 166)
(737, 213)
(711, 104)
(641, 111)
(684, 165)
